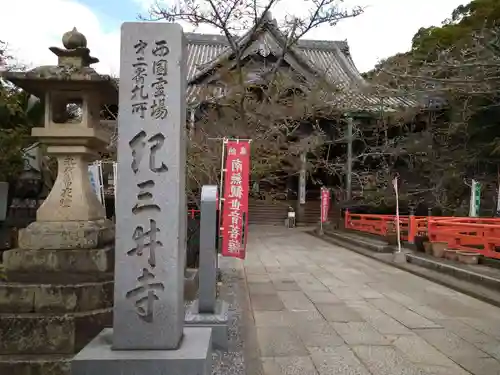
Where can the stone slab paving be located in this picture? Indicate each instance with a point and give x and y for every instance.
(321, 309)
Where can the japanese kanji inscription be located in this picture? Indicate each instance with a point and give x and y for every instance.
(150, 202)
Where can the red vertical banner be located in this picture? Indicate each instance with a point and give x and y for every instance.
(235, 205)
(325, 204)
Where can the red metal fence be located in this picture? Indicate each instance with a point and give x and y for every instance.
(481, 235)
(192, 213)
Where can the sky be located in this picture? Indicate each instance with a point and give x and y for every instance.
(384, 29)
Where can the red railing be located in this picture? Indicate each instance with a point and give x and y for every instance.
(480, 235)
(192, 213)
(477, 237)
(375, 224)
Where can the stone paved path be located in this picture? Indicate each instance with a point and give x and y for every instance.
(324, 310)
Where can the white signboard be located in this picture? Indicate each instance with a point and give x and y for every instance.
(475, 199)
(32, 158)
(95, 176)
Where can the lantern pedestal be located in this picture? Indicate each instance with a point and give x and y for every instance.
(59, 290)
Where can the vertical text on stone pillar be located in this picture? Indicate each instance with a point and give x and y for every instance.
(144, 295)
(160, 70)
(67, 191)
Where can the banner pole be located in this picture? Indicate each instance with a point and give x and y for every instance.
(115, 182)
(101, 184)
(398, 232)
(221, 188)
(222, 163)
(321, 209)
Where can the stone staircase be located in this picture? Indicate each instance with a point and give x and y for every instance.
(311, 214)
(266, 212)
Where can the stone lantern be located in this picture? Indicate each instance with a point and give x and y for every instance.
(58, 292)
(73, 94)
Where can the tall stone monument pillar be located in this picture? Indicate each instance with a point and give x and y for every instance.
(58, 293)
(148, 334)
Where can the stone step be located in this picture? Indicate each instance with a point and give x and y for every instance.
(309, 211)
(456, 270)
(271, 210)
(368, 247)
(309, 219)
(39, 333)
(268, 205)
(312, 213)
(266, 218)
(270, 214)
(305, 224)
(279, 211)
(350, 240)
(266, 221)
(267, 212)
(57, 278)
(50, 298)
(269, 222)
(486, 276)
(35, 364)
(54, 261)
(467, 287)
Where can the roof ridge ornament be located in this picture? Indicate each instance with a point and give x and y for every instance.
(345, 48)
(268, 18)
(264, 49)
(75, 52)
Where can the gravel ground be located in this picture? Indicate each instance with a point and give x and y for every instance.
(231, 362)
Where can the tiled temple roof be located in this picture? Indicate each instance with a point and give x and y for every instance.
(328, 59)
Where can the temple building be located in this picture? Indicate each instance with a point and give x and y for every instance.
(309, 62)
(210, 57)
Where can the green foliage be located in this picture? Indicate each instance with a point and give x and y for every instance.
(457, 62)
(18, 114)
(457, 31)
(16, 121)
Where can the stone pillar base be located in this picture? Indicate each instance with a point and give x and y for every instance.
(194, 357)
(30, 364)
(66, 266)
(218, 322)
(58, 294)
(191, 282)
(50, 333)
(63, 235)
